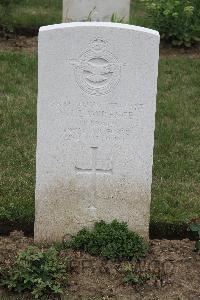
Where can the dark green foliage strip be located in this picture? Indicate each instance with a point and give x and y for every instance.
(112, 241)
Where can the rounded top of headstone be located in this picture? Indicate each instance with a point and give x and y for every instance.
(99, 24)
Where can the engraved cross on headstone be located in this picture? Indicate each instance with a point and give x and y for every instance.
(94, 171)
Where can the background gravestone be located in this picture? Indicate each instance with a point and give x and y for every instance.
(95, 10)
(96, 119)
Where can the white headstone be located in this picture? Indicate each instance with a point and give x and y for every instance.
(95, 10)
(96, 119)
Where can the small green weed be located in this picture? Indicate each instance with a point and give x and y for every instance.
(37, 271)
(196, 228)
(117, 19)
(89, 17)
(136, 277)
(114, 18)
(112, 241)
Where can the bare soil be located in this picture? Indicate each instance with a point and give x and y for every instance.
(29, 45)
(19, 44)
(174, 267)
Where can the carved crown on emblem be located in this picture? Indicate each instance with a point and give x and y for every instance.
(98, 44)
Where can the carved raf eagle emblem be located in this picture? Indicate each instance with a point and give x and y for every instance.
(97, 71)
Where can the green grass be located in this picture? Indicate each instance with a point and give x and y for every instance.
(33, 13)
(176, 180)
(18, 137)
(36, 13)
(176, 176)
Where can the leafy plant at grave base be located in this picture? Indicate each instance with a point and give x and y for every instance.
(111, 241)
(37, 271)
(196, 228)
(117, 19)
(177, 21)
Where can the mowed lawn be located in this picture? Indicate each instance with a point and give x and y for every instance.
(176, 172)
(32, 13)
(27, 14)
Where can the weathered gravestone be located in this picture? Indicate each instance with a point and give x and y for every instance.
(96, 118)
(95, 10)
